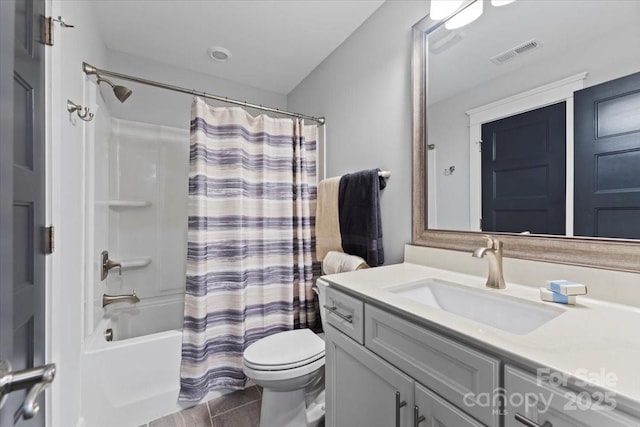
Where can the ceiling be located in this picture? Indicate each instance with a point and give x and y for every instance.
(459, 60)
(274, 44)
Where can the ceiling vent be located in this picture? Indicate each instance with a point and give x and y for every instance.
(510, 54)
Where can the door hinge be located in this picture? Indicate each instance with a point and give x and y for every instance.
(47, 30)
(480, 224)
(48, 243)
(479, 145)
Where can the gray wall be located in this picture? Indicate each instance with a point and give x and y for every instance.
(162, 107)
(364, 90)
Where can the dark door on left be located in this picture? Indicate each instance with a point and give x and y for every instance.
(523, 172)
(22, 196)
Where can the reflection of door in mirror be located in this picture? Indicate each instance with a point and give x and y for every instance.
(523, 172)
(607, 159)
(481, 73)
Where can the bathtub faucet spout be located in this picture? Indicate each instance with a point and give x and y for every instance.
(110, 299)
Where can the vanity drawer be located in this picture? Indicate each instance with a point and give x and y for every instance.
(445, 366)
(540, 402)
(345, 313)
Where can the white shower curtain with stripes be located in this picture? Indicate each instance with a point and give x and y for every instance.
(250, 245)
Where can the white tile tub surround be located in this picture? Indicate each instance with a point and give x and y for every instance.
(149, 163)
(136, 378)
(97, 158)
(606, 285)
(139, 178)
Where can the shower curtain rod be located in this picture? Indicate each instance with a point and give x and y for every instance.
(90, 69)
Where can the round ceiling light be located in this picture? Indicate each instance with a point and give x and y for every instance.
(219, 54)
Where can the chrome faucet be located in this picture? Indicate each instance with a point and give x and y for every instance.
(110, 299)
(493, 251)
(107, 265)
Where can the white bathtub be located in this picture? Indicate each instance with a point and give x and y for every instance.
(144, 318)
(136, 377)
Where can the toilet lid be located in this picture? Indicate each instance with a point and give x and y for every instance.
(284, 350)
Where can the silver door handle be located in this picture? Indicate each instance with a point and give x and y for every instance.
(334, 310)
(399, 405)
(526, 421)
(417, 418)
(34, 379)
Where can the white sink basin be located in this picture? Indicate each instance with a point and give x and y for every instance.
(502, 312)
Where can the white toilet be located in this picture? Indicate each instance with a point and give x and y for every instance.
(290, 368)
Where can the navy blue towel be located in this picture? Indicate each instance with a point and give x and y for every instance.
(359, 214)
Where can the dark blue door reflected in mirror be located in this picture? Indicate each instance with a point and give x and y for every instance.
(523, 172)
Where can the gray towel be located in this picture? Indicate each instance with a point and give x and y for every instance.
(359, 212)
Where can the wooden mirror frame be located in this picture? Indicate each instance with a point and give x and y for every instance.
(613, 254)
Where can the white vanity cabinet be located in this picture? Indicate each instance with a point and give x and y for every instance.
(455, 371)
(531, 402)
(362, 389)
(383, 370)
(390, 380)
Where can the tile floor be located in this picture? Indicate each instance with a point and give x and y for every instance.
(238, 409)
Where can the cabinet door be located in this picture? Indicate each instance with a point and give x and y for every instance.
(457, 372)
(529, 399)
(438, 412)
(361, 388)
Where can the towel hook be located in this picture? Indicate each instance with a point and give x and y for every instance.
(82, 112)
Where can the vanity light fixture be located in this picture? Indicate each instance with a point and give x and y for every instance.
(498, 3)
(465, 16)
(440, 9)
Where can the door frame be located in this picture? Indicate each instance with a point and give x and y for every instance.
(51, 116)
(542, 96)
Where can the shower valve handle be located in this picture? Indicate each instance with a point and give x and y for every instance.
(107, 265)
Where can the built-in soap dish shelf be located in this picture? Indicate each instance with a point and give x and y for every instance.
(131, 263)
(126, 204)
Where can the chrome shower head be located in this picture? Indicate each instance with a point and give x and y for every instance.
(121, 92)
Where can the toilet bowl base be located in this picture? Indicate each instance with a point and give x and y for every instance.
(283, 409)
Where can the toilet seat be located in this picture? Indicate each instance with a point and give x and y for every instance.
(284, 351)
(283, 374)
(283, 367)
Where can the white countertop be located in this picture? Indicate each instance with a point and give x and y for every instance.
(595, 342)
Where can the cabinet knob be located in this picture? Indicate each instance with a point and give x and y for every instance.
(527, 422)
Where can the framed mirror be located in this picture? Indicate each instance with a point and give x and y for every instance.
(512, 62)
